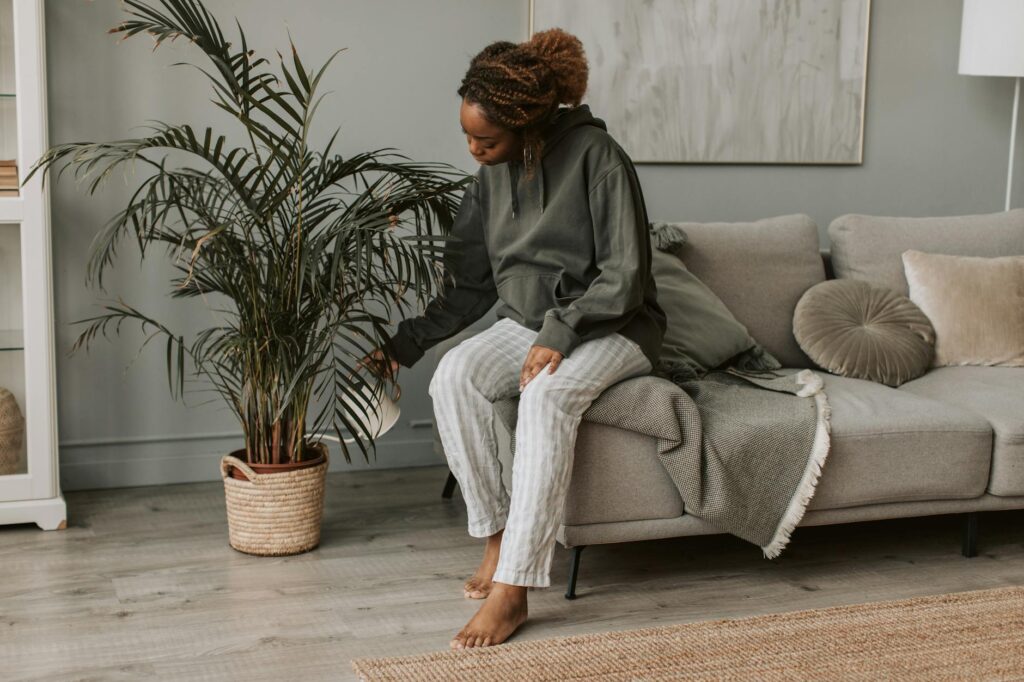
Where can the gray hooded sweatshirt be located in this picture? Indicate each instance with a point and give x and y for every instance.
(568, 252)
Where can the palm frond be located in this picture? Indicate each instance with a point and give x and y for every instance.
(292, 250)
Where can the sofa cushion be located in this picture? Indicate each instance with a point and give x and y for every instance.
(759, 269)
(617, 476)
(891, 445)
(856, 329)
(997, 395)
(975, 304)
(870, 247)
(702, 333)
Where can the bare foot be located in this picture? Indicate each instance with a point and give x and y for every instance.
(479, 585)
(497, 619)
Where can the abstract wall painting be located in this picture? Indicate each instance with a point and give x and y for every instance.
(724, 81)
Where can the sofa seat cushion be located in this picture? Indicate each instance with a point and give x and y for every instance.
(891, 445)
(997, 395)
(617, 476)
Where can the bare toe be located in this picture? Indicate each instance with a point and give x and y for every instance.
(477, 588)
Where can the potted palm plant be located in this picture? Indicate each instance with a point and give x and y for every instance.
(300, 247)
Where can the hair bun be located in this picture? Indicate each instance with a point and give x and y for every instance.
(563, 53)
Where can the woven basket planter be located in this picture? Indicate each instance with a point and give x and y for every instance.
(12, 434)
(274, 514)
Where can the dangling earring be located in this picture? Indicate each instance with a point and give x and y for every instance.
(528, 155)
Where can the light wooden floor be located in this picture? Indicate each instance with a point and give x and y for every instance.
(143, 585)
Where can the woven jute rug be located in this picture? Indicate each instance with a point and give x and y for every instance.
(975, 635)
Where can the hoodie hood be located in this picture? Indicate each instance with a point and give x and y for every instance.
(565, 120)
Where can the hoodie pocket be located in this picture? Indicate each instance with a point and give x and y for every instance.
(530, 295)
(564, 295)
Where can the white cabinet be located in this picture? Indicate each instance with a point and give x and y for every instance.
(29, 483)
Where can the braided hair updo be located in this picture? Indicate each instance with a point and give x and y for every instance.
(520, 86)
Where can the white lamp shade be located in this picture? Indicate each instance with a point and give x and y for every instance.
(992, 38)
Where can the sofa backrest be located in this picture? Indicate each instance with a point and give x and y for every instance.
(760, 270)
(870, 248)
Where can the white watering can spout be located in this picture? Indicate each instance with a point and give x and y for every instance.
(384, 415)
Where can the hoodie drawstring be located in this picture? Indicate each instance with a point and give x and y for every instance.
(513, 177)
(515, 192)
(540, 175)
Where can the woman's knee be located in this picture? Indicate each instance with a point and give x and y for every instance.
(550, 392)
(454, 371)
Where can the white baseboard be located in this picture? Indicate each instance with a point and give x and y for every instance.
(164, 460)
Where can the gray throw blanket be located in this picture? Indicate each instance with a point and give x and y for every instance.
(745, 448)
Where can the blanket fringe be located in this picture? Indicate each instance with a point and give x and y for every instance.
(666, 236)
(811, 382)
(813, 385)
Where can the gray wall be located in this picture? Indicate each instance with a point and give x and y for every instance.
(935, 143)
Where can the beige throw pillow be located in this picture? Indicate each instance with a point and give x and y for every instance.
(975, 304)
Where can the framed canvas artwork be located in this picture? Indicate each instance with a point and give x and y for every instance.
(724, 81)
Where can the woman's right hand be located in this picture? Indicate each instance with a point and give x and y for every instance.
(374, 361)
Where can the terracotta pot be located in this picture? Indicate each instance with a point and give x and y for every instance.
(275, 468)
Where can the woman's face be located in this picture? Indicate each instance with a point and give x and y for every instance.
(488, 143)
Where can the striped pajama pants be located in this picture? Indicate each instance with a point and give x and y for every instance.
(486, 367)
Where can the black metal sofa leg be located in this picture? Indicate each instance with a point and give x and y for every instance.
(970, 544)
(449, 487)
(574, 572)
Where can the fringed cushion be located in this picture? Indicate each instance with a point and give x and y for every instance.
(702, 334)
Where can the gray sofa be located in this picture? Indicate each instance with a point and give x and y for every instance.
(951, 441)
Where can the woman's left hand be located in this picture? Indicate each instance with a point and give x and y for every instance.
(535, 361)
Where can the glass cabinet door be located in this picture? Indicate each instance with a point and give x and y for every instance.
(8, 110)
(13, 450)
(29, 468)
(13, 446)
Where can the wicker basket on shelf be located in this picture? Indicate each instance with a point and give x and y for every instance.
(12, 434)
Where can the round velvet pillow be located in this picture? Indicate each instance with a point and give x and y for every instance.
(855, 329)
